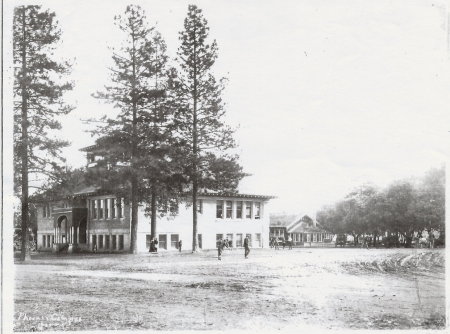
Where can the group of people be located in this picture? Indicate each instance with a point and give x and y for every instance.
(275, 242)
(221, 244)
(154, 245)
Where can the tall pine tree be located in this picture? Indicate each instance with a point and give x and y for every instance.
(200, 115)
(38, 92)
(137, 138)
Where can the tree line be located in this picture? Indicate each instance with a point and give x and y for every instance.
(398, 213)
(168, 138)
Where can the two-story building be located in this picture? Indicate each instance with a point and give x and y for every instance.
(231, 217)
(88, 220)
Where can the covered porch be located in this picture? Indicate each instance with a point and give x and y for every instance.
(70, 228)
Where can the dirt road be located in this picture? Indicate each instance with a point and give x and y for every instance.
(325, 288)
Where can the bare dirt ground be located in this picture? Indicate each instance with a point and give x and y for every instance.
(273, 289)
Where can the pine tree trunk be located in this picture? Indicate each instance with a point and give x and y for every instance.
(194, 217)
(24, 148)
(153, 230)
(134, 182)
(195, 157)
(134, 216)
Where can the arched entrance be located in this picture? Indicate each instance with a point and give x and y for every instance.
(61, 230)
(82, 231)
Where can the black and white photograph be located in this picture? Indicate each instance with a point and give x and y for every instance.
(253, 166)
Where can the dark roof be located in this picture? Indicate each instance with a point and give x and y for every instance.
(305, 228)
(262, 197)
(85, 190)
(89, 148)
(282, 220)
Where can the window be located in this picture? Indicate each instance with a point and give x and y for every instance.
(229, 209)
(218, 238)
(53, 239)
(48, 241)
(219, 209)
(148, 240)
(121, 207)
(100, 241)
(239, 240)
(43, 241)
(114, 242)
(314, 237)
(107, 241)
(94, 209)
(113, 208)
(230, 239)
(107, 204)
(94, 240)
(121, 242)
(162, 241)
(258, 239)
(200, 206)
(257, 210)
(249, 236)
(46, 211)
(173, 208)
(248, 210)
(239, 209)
(100, 209)
(174, 241)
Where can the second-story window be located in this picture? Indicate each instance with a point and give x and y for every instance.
(113, 208)
(219, 209)
(107, 204)
(239, 209)
(121, 207)
(229, 209)
(173, 208)
(94, 209)
(248, 210)
(47, 211)
(257, 210)
(100, 209)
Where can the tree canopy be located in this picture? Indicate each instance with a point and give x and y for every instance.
(405, 208)
(39, 87)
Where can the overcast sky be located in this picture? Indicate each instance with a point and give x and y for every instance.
(327, 95)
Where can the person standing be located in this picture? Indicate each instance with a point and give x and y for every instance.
(152, 246)
(246, 247)
(155, 243)
(219, 249)
(180, 243)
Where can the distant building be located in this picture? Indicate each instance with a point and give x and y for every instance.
(88, 220)
(303, 230)
(279, 224)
